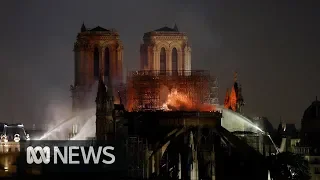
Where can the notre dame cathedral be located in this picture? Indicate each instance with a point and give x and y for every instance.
(98, 60)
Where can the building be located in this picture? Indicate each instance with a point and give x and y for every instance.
(310, 124)
(288, 130)
(264, 124)
(98, 52)
(165, 62)
(287, 137)
(310, 136)
(165, 49)
(253, 137)
(307, 141)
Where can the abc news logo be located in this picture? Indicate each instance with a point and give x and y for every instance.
(70, 154)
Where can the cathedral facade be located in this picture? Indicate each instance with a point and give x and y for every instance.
(98, 52)
(165, 49)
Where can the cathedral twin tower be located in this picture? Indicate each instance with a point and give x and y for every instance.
(99, 52)
(165, 49)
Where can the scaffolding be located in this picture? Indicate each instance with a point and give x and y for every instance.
(145, 88)
(214, 92)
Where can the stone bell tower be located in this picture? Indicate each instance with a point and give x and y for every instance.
(97, 51)
(165, 49)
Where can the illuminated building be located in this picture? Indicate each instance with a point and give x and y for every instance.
(151, 90)
(97, 51)
(165, 49)
(165, 62)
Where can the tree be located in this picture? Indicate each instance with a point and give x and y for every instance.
(288, 166)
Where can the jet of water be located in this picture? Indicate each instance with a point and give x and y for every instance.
(88, 130)
(57, 128)
(61, 131)
(233, 121)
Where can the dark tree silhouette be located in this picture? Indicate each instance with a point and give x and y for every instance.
(288, 166)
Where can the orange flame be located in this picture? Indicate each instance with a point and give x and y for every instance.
(230, 100)
(177, 101)
(233, 99)
(227, 100)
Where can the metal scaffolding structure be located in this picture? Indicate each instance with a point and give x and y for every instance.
(214, 92)
(145, 88)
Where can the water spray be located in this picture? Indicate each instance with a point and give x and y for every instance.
(247, 121)
(66, 125)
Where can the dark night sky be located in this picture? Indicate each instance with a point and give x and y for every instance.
(274, 46)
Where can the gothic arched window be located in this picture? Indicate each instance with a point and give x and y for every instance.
(96, 63)
(106, 62)
(174, 60)
(163, 60)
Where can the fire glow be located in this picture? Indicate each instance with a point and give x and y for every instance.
(177, 101)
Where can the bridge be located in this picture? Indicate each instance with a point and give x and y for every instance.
(194, 145)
